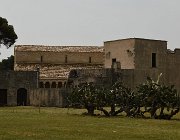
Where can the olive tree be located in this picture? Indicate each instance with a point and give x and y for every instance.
(84, 95)
(161, 101)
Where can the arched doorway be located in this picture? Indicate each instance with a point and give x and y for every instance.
(47, 85)
(53, 85)
(22, 97)
(59, 84)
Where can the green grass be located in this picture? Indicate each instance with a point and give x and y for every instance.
(58, 123)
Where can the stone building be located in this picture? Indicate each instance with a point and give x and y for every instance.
(41, 73)
(59, 67)
(56, 62)
(139, 58)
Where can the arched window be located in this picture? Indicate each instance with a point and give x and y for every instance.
(59, 84)
(47, 85)
(41, 85)
(53, 85)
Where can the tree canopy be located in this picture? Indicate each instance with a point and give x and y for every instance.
(7, 34)
(7, 64)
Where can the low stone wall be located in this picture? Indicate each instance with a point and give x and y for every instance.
(49, 97)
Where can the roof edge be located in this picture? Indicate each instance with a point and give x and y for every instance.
(135, 39)
(54, 46)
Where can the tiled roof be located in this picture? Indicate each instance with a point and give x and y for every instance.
(54, 71)
(59, 48)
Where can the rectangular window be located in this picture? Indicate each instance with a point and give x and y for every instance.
(41, 59)
(113, 63)
(66, 59)
(113, 60)
(89, 59)
(153, 60)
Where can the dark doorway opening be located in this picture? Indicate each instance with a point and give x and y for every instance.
(47, 85)
(22, 97)
(3, 97)
(113, 63)
(153, 60)
(113, 60)
(41, 85)
(59, 84)
(53, 85)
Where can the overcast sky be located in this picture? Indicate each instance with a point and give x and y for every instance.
(91, 22)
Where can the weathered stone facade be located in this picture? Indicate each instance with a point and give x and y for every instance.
(60, 67)
(22, 88)
(15, 87)
(139, 58)
(101, 77)
(55, 62)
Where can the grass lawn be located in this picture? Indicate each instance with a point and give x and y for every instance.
(58, 123)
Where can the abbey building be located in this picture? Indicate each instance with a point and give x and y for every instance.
(43, 73)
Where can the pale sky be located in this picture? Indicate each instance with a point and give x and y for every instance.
(91, 22)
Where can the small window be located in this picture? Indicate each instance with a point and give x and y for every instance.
(89, 59)
(153, 60)
(41, 59)
(66, 59)
(113, 60)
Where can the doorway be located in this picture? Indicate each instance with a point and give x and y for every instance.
(3, 97)
(22, 97)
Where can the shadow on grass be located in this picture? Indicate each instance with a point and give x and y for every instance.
(100, 115)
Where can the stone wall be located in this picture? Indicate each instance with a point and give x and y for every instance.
(59, 57)
(18, 79)
(101, 77)
(49, 97)
(122, 51)
(144, 65)
(143, 53)
(59, 54)
(173, 68)
(21, 88)
(132, 77)
(13, 84)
